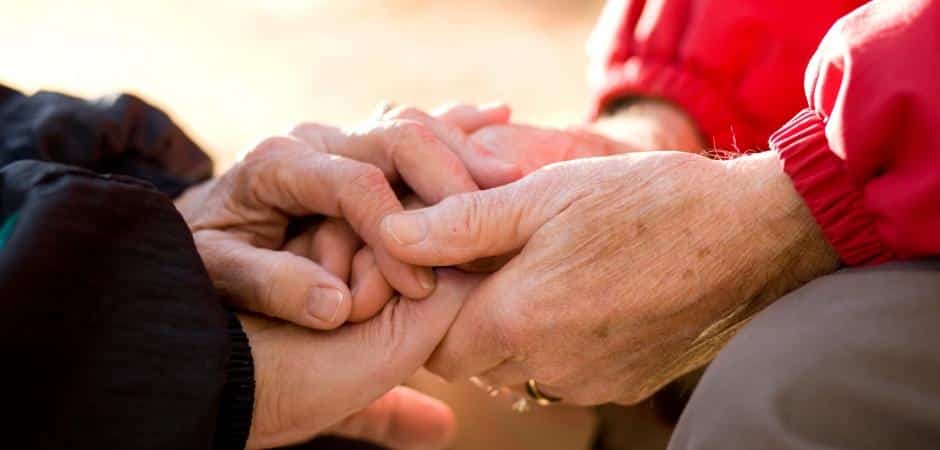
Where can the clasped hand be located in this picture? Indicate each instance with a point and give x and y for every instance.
(611, 271)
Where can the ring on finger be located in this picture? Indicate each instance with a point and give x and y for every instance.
(540, 398)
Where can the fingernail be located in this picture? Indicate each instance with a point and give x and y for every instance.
(407, 229)
(425, 277)
(324, 303)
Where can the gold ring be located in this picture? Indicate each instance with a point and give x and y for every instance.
(540, 398)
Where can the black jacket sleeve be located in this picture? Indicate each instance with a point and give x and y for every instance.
(121, 135)
(113, 336)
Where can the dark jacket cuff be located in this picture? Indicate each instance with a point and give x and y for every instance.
(238, 393)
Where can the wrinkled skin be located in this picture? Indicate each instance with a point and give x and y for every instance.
(642, 125)
(282, 234)
(631, 271)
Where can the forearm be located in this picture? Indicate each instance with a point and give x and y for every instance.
(649, 124)
(782, 230)
(757, 242)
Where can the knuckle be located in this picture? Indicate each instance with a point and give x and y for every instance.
(404, 112)
(263, 165)
(319, 137)
(305, 128)
(463, 226)
(366, 178)
(408, 131)
(269, 147)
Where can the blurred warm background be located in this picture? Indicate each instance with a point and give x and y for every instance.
(232, 71)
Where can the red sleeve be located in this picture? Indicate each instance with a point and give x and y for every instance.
(865, 155)
(735, 66)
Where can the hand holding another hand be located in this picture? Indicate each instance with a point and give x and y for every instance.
(283, 232)
(641, 125)
(631, 271)
(628, 271)
(345, 381)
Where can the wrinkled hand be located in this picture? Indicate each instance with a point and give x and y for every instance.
(643, 125)
(310, 383)
(631, 271)
(282, 232)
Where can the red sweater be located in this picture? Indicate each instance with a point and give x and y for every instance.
(864, 152)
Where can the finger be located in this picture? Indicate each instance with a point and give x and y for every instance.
(485, 167)
(330, 243)
(383, 352)
(526, 146)
(530, 147)
(483, 265)
(275, 283)
(475, 225)
(308, 392)
(401, 149)
(301, 243)
(402, 419)
(370, 291)
(285, 174)
(470, 118)
(333, 245)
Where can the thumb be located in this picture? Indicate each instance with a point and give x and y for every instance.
(473, 225)
(275, 283)
(402, 419)
(387, 349)
(308, 381)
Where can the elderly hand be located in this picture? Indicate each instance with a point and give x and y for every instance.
(631, 271)
(310, 383)
(641, 125)
(280, 232)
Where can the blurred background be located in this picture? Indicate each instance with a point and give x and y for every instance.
(234, 71)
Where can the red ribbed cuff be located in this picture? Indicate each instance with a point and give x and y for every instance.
(836, 203)
(718, 120)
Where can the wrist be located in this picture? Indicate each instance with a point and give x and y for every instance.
(766, 242)
(651, 124)
(783, 228)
